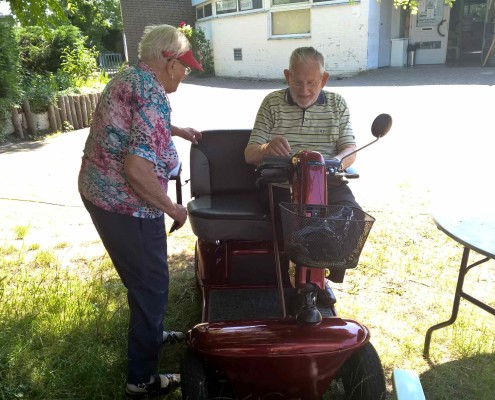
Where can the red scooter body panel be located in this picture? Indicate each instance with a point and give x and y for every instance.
(278, 356)
(309, 186)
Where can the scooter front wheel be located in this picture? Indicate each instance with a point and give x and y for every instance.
(362, 375)
(194, 384)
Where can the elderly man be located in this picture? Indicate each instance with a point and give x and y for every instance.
(305, 117)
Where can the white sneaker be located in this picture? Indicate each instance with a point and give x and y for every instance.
(159, 385)
(171, 337)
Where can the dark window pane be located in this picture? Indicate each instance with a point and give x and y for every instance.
(250, 4)
(208, 10)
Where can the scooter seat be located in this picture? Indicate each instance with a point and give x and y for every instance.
(229, 216)
(225, 204)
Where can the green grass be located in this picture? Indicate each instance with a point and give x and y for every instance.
(63, 332)
(63, 327)
(20, 232)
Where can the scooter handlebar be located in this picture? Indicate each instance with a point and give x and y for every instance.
(274, 162)
(277, 169)
(333, 168)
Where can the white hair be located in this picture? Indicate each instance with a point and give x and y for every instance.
(304, 54)
(162, 38)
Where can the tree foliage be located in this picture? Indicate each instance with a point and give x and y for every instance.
(42, 13)
(99, 20)
(412, 5)
(9, 69)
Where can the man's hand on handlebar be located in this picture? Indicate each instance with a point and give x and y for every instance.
(278, 146)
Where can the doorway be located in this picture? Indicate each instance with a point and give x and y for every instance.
(471, 32)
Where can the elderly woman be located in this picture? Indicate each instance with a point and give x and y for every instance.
(127, 161)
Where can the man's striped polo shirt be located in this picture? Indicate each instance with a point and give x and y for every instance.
(322, 127)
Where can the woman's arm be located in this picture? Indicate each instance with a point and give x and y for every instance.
(142, 178)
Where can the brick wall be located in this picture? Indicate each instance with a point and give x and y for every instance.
(136, 15)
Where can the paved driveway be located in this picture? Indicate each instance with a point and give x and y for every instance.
(442, 141)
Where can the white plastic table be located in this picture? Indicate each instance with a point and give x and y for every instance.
(476, 232)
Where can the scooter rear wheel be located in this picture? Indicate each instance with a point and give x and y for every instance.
(194, 383)
(362, 375)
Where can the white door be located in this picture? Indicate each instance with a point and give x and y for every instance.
(384, 43)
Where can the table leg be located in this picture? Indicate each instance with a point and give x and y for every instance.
(455, 309)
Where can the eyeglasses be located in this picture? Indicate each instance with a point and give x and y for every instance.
(187, 68)
(309, 85)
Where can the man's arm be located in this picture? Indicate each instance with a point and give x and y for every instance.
(345, 151)
(254, 153)
(142, 178)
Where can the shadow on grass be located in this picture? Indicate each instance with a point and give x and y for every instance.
(66, 338)
(470, 378)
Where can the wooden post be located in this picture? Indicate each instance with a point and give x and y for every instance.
(19, 132)
(89, 109)
(92, 96)
(52, 119)
(75, 122)
(29, 117)
(77, 104)
(63, 113)
(84, 112)
(58, 120)
(68, 109)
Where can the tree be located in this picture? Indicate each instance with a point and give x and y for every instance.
(412, 5)
(99, 20)
(43, 13)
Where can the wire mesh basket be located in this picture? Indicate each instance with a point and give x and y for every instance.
(322, 236)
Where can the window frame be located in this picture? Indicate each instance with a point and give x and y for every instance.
(271, 35)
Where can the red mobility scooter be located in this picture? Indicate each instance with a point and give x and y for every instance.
(263, 333)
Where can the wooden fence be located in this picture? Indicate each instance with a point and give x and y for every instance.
(70, 112)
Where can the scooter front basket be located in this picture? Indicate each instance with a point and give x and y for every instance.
(322, 236)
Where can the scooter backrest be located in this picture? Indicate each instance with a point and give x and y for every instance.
(218, 166)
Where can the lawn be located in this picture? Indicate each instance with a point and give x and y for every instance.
(63, 321)
(64, 326)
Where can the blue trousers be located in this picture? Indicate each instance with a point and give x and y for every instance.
(138, 250)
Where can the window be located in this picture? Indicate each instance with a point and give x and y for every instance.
(208, 10)
(230, 6)
(250, 4)
(204, 11)
(226, 6)
(293, 22)
(283, 2)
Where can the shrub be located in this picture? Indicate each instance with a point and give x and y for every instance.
(65, 37)
(42, 50)
(9, 70)
(79, 62)
(34, 49)
(52, 61)
(201, 47)
(40, 90)
(203, 51)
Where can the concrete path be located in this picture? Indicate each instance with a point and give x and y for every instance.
(442, 141)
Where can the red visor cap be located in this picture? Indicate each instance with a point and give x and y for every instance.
(186, 58)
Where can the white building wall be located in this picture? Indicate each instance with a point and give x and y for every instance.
(339, 31)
